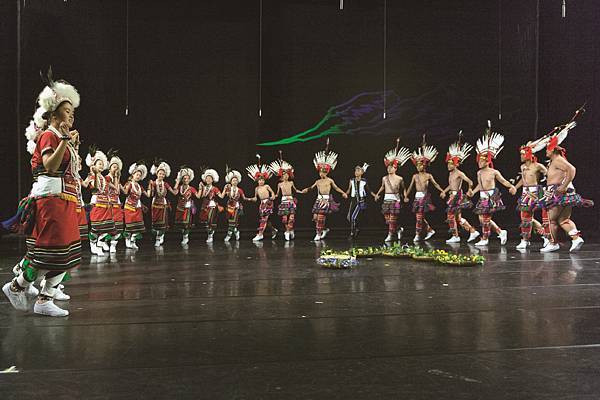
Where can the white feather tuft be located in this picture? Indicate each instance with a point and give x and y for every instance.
(31, 146)
(210, 172)
(233, 174)
(461, 151)
(38, 118)
(490, 143)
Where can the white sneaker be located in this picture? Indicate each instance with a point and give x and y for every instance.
(324, 233)
(227, 238)
(17, 299)
(17, 268)
(523, 245)
(105, 246)
(400, 231)
(503, 235)
(388, 238)
(286, 236)
(209, 239)
(60, 295)
(237, 234)
(576, 244)
(473, 236)
(550, 248)
(32, 292)
(546, 241)
(482, 242)
(453, 239)
(50, 309)
(274, 233)
(185, 239)
(257, 238)
(429, 234)
(97, 250)
(317, 238)
(417, 238)
(113, 246)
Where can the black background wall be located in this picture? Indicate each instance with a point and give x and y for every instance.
(192, 80)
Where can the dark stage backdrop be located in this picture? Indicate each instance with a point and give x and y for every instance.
(191, 83)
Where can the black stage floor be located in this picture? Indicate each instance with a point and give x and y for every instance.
(252, 322)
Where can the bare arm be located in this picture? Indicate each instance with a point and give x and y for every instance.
(570, 172)
(465, 178)
(381, 189)
(519, 183)
(271, 192)
(337, 189)
(542, 169)
(305, 190)
(435, 184)
(504, 182)
(410, 187)
(475, 189)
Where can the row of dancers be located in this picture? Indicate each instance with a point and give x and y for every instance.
(110, 220)
(54, 219)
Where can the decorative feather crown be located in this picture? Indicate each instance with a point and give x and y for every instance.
(233, 174)
(490, 144)
(396, 157)
(424, 154)
(278, 167)
(95, 155)
(113, 158)
(255, 172)
(210, 172)
(158, 165)
(325, 160)
(138, 166)
(183, 171)
(458, 152)
(53, 95)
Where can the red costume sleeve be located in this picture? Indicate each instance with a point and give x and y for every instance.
(47, 141)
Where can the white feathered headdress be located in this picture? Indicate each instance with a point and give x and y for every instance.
(185, 171)
(280, 166)
(458, 152)
(95, 155)
(53, 95)
(424, 155)
(139, 166)
(255, 172)
(113, 158)
(210, 172)
(233, 174)
(490, 145)
(325, 160)
(396, 157)
(158, 165)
